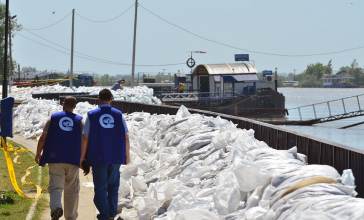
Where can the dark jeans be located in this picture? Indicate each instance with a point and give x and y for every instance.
(106, 181)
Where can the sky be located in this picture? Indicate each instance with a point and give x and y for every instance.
(288, 27)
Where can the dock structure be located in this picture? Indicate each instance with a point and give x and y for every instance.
(332, 110)
(318, 151)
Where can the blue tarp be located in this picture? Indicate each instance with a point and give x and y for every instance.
(6, 117)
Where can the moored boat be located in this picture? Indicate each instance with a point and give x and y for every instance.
(233, 89)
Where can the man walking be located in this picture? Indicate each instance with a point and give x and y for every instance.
(118, 85)
(60, 147)
(105, 147)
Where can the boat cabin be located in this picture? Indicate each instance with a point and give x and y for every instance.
(225, 79)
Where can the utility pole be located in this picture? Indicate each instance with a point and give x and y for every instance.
(72, 46)
(276, 79)
(18, 72)
(10, 55)
(134, 43)
(5, 79)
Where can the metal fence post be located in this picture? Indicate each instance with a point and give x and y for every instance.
(314, 111)
(357, 98)
(328, 106)
(299, 112)
(342, 100)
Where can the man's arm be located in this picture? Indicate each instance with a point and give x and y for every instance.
(127, 144)
(41, 142)
(84, 144)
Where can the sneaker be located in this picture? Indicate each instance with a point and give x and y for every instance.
(99, 217)
(57, 213)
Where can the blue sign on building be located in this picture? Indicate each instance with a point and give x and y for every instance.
(267, 73)
(241, 57)
(6, 117)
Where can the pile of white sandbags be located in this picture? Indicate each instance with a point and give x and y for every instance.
(31, 116)
(24, 93)
(196, 167)
(139, 94)
(189, 166)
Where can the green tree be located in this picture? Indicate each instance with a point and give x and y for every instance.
(312, 76)
(310, 81)
(329, 68)
(316, 70)
(354, 65)
(355, 71)
(104, 80)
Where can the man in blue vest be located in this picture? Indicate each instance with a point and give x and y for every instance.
(60, 147)
(105, 147)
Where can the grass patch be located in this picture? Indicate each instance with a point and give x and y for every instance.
(18, 209)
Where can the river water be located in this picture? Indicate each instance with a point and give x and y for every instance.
(330, 131)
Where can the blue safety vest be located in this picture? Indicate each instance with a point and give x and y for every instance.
(63, 141)
(106, 140)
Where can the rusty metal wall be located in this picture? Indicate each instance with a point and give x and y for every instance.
(317, 151)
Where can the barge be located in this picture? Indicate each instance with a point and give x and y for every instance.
(233, 89)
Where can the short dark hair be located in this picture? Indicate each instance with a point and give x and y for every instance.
(105, 95)
(69, 102)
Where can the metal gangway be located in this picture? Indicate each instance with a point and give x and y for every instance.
(196, 96)
(173, 97)
(332, 110)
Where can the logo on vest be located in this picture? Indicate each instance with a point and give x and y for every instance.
(66, 124)
(106, 121)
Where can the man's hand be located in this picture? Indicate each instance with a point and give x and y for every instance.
(85, 166)
(37, 158)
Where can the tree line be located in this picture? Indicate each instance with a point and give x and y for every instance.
(314, 74)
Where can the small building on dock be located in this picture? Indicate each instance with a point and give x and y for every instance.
(232, 78)
(338, 81)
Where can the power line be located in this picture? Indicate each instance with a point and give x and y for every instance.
(60, 48)
(65, 51)
(43, 44)
(245, 49)
(49, 25)
(105, 20)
